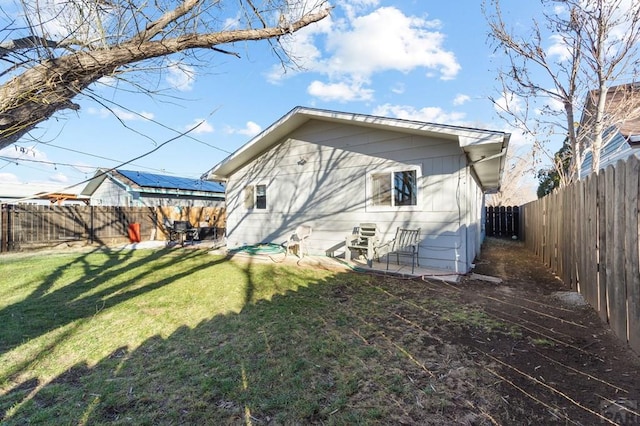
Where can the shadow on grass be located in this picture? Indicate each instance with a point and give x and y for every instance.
(260, 359)
(118, 276)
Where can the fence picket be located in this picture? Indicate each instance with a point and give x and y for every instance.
(34, 226)
(588, 234)
(601, 307)
(618, 289)
(632, 255)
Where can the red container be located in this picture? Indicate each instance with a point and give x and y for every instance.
(134, 232)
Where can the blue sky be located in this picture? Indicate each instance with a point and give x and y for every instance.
(422, 60)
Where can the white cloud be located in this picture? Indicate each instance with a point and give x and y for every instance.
(232, 23)
(250, 129)
(550, 105)
(59, 178)
(559, 48)
(353, 7)
(508, 102)
(301, 46)
(121, 114)
(342, 92)
(180, 76)
(398, 88)
(359, 46)
(108, 81)
(518, 139)
(428, 114)
(386, 39)
(461, 99)
(203, 126)
(132, 116)
(9, 178)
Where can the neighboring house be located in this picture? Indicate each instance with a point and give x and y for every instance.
(622, 138)
(129, 188)
(40, 193)
(333, 170)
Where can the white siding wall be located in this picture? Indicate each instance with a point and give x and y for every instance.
(318, 177)
(475, 217)
(147, 200)
(616, 149)
(110, 194)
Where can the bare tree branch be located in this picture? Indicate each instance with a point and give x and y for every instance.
(51, 81)
(598, 42)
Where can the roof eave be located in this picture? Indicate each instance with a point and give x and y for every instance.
(466, 137)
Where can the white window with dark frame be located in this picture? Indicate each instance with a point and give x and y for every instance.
(261, 197)
(396, 188)
(255, 197)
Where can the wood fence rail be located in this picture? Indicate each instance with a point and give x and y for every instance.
(588, 235)
(25, 227)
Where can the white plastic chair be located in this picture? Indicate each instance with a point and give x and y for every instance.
(298, 239)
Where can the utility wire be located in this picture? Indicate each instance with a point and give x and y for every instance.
(106, 171)
(55, 163)
(102, 101)
(100, 157)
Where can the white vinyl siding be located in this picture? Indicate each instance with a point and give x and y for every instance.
(320, 176)
(109, 193)
(616, 149)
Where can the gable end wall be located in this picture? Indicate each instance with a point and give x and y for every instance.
(319, 177)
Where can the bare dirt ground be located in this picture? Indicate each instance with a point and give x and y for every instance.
(563, 365)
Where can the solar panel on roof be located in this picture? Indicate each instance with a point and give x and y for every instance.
(153, 180)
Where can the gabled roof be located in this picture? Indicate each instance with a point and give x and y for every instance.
(485, 149)
(154, 183)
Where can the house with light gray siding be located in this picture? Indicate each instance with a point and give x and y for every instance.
(131, 188)
(621, 138)
(334, 170)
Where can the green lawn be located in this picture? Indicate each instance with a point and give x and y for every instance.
(183, 336)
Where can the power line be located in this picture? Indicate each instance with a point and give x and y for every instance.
(99, 99)
(54, 163)
(100, 157)
(104, 172)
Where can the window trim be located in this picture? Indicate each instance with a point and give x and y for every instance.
(254, 206)
(257, 197)
(369, 186)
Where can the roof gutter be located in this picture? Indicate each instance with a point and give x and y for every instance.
(491, 157)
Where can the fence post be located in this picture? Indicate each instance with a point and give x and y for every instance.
(91, 225)
(4, 228)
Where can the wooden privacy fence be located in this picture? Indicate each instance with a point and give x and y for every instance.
(502, 221)
(588, 235)
(24, 226)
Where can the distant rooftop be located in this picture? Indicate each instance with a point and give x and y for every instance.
(153, 180)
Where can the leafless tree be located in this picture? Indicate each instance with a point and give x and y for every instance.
(567, 62)
(516, 188)
(51, 51)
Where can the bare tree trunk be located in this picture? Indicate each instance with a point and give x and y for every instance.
(50, 86)
(598, 128)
